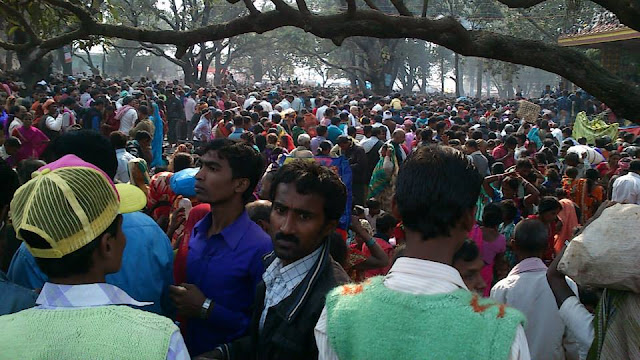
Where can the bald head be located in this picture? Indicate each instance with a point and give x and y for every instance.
(260, 212)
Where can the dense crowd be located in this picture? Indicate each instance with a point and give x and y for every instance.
(162, 220)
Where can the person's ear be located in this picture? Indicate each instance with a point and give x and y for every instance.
(242, 184)
(106, 247)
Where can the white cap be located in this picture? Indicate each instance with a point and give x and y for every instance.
(386, 115)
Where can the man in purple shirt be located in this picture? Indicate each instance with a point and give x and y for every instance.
(224, 261)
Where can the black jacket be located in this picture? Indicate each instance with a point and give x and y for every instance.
(288, 327)
(358, 161)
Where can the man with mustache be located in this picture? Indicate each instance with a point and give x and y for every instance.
(308, 200)
(224, 260)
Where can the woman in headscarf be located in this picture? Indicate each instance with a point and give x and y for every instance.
(384, 177)
(33, 140)
(158, 136)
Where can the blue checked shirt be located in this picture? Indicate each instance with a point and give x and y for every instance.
(280, 281)
(54, 296)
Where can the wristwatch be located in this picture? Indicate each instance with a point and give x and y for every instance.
(204, 311)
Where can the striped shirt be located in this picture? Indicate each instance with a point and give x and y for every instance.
(417, 277)
(280, 281)
(55, 296)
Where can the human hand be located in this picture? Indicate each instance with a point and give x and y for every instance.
(177, 218)
(188, 299)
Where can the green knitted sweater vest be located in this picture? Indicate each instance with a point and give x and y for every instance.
(369, 321)
(102, 332)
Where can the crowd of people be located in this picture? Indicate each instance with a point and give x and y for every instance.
(161, 220)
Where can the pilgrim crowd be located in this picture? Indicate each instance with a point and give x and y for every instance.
(152, 220)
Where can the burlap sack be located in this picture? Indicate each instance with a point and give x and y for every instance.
(528, 111)
(606, 253)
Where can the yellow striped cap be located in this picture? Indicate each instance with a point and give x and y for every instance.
(68, 203)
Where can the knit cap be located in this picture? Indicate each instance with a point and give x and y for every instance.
(69, 203)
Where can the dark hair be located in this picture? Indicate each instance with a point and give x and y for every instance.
(12, 141)
(468, 251)
(523, 164)
(492, 215)
(592, 176)
(385, 223)
(26, 167)
(509, 209)
(182, 161)
(531, 236)
(338, 248)
(10, 183)
(244, 161)
(259, 210)
(571, 172)
(143, 135)
(75, 263)
(321, 130)
(89, 145)
(548, 203)
(373, 203)
(313, 178)
(435, 187)
(118, 139)
(510, 140)
(634, 165)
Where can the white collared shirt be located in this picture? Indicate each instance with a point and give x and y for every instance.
(56, 296)
(417, 277)
(123, 157)
(626, 189)
(526, 289)
(280, 281)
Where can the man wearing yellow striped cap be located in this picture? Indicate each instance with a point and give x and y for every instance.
(69, 216)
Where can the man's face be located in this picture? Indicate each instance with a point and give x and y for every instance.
(470, 273)
(344, 146)
(298, 224)
(214, 182)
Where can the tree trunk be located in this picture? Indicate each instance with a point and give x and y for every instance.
(189, 73)
(488, 77)
(8, 60)
(457, 75)
(442, 74)
(479, 71)
(257, 68)
(104, 62)
(127, 62)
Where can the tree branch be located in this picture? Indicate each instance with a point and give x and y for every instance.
(351, 7)
(401, 7)
(425, 5)
(302, 6)
(16, 15)
(627, 11)
(371, 5)
(251, 7)
(446, 32)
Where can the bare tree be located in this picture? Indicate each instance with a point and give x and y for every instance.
(616, 92)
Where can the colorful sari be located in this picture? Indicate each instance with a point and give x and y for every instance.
(158, 137)
(587, 201)
(382, 181)
(33, 140)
